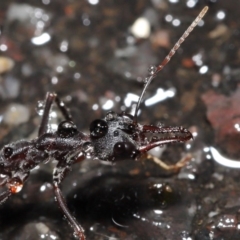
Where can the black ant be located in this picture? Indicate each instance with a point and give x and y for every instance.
(114, 138)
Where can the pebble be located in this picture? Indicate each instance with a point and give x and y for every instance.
(16, 114)
(6, 64)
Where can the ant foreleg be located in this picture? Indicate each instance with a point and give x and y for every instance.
(78, 230)
(174, 167)
(64, 163)
(63, 108)
(59, 173)
(50, 98)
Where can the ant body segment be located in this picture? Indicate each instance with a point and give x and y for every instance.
(113, 138)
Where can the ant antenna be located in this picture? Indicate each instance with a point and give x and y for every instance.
(154, 70)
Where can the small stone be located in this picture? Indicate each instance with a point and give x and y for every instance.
(16, 114)
(6, 64)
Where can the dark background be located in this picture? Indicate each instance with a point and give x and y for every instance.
(91, 59)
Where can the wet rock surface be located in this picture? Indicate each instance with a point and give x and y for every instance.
(224, 115)
(89, 53)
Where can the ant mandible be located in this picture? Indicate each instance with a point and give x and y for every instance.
(114, 138)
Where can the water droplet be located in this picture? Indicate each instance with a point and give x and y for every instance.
(15, 185)
(75, 235)
(145, 80)
(87, 150)
(78, 235)
(154, 138)
(152, 69)
(116, 133)
(185, 235)
(111, 116)
(40, 107)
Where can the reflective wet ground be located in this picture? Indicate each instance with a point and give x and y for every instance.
(92, 53)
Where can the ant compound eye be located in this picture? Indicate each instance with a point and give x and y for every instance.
(123, 150)
(111, 116)
(98, 128)
(8, 151)
(119, 148)
(67, 129)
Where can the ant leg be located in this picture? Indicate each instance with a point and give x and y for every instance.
(4, 196)
(174, 167)
(78, 230)
(59, 173)
(50, 98)
(48, 103)
(63, 108)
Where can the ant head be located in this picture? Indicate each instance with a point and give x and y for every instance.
(115, 137)
(119, 136)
